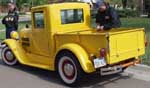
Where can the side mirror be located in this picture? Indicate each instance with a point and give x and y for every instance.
(27, 26)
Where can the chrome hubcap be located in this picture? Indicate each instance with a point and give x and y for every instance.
(68, 69)
(9, 55)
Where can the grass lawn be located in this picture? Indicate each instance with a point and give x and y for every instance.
(137, 22)
(1, 27)
(1, 17)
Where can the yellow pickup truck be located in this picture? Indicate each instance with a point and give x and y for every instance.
(61, 39)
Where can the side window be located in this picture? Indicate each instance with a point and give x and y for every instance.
(72, 16)
(39, 19)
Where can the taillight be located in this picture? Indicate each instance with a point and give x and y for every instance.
(146, 42)
(103, 52)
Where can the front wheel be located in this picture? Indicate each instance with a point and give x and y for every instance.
(69, 69)
(8, 57)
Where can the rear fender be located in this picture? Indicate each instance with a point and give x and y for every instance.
(81, 55)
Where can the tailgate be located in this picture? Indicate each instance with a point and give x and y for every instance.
(124, 45)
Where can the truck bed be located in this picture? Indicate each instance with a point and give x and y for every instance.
(126, 44)
(121, 44)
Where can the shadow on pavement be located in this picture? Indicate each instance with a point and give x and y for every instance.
(97, 81)
(92, 80)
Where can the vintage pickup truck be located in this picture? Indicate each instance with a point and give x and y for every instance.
(61, 39)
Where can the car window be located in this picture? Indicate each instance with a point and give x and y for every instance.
(39, 19)
(72, 16)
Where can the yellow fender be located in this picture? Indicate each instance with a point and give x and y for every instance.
(16, 49)
(81, 55)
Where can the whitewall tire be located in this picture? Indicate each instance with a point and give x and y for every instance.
(69, 69)
(8, 57)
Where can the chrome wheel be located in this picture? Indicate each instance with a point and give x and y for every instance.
(67, 70)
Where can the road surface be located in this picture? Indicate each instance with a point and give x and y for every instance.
(27, 77)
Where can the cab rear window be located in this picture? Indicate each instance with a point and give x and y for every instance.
(72, 16)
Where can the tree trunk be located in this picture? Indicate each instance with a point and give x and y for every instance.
(124, 3)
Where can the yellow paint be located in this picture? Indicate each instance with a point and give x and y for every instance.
(38, 47)
(14, 35)
(17, 50)
(81, 54)
(128, 44)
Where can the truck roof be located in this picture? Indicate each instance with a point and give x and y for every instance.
(54, 12)
(60, 5)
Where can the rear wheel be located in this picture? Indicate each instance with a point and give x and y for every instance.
(69, 69)
(8, 57)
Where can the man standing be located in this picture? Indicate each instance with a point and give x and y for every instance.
(11, 20)
(107, 17)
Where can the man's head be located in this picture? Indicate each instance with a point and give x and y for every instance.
(11, 6)
(102, 6)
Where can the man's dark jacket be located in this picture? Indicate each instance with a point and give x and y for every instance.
(10, 21)
(109, 18)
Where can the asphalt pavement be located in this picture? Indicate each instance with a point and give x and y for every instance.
(21, 76)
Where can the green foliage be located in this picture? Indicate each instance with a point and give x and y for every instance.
(114, 1)
(127, 13)
(147, 2)
(25, 3)
(30, 3)
(39, 2)
(4, 2)
(133, 3)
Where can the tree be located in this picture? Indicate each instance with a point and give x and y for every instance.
(4, 2)
(133, 4)
(124, 3)
(147, 7)
(39, 2)
(114, 2)
(21, 3)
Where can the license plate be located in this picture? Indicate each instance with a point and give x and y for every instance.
(99, 62)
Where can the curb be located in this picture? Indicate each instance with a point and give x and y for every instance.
(142, 65)
(140, 71)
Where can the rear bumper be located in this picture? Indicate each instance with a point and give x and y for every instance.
(117, 68)
(110, 70)
(134, 62)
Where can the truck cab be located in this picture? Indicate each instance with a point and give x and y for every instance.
(61, 39)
